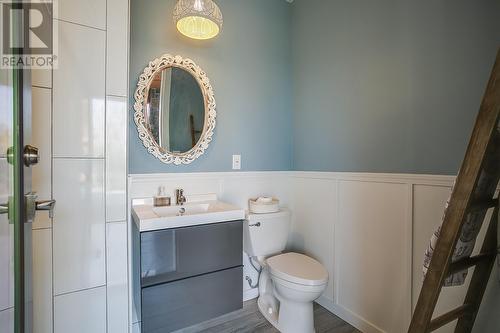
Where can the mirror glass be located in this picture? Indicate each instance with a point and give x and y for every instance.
(175, 110)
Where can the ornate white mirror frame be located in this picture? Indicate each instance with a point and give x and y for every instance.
(141, 97)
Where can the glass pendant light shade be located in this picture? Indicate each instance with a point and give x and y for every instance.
(198, 19)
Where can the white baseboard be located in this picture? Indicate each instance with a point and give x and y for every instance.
(360, 323)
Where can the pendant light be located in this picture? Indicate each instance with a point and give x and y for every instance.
(198, 19)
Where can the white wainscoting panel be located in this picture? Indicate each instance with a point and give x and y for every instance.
(237, 188)
(233, 187)
(370, 223)
(79, 92)
(314, 209)
(79, 225)
(81, 312)
(142, 186)
(42, 281)
(117, 289)
(371, 253)
(41, 138)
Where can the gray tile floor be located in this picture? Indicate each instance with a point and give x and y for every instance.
(249, 319)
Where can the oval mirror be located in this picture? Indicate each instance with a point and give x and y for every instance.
(175, 109)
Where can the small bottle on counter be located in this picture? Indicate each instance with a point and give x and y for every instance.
(161, 199)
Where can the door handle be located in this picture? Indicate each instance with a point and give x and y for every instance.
(46, 205)
(30, 155)
(4, 208)
(32, 205)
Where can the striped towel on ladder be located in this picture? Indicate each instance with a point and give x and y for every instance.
(464, 248)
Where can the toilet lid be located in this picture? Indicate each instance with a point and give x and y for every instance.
(297, 268)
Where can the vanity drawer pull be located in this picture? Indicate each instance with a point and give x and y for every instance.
(254, 225)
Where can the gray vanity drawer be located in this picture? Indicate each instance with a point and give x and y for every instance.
(179, 304)
(173, 254)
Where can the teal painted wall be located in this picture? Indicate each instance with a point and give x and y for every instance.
(249, 67)
(389, 85)
(361, 86)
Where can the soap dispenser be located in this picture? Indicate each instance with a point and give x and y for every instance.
(161, 199)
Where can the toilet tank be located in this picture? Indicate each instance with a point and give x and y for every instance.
(266, 234)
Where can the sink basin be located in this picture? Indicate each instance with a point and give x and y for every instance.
(150, 218)
(187, 209)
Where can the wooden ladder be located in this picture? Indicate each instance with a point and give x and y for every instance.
(473, 195)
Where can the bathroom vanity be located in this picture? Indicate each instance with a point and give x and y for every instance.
(187, 259)
(187, 267)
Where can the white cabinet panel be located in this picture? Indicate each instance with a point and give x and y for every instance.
(42, 281)
(88, 12)
(79, 225)
(117, 288)
(81, 312)
(41, 138)
(313, 222)
(117, 48)
(372, 253)
(116, 158)
(79, 92)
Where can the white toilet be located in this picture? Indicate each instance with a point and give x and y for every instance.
(289, 282)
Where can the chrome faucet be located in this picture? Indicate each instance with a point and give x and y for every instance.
(180, 199)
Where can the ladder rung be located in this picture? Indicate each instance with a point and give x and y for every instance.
(448, 317)
(483, 205)
(469, 262)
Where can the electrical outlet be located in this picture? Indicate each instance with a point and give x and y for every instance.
(236, 162)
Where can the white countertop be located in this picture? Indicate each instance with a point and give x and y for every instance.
(149, 218)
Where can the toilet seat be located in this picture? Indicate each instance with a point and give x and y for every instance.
(297, 268)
